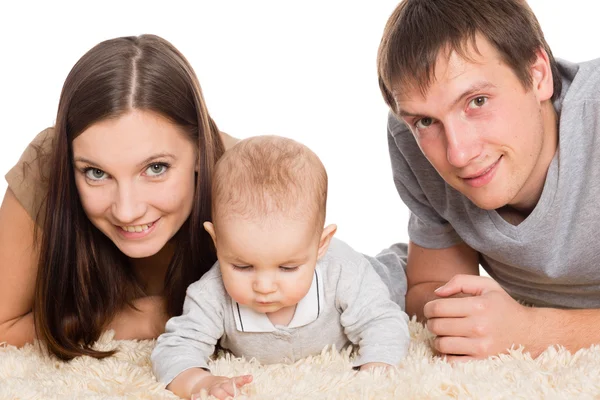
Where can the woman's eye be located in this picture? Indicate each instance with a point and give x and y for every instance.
(156, 169)
(95, 174)
(478, 102)
(424, 123)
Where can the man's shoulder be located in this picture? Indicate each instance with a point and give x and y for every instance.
(582, 80)
(411, 170)
(395, 124)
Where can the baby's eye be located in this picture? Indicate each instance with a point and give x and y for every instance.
(95, 174)
(478, 102)
(288, 268)
(156, 169)
(241, 267)
(424, 123)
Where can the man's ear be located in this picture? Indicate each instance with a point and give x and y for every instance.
(210, 228)
(541, 76)
(326, 236)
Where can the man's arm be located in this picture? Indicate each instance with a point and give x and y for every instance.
(428, 269)
(490, 321)
(573, 329)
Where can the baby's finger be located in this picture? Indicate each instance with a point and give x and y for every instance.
(242, 380)
(230, 387)
(221, 392)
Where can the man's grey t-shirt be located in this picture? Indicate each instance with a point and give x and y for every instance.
(552, 258)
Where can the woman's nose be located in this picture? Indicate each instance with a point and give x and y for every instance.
(128, 207)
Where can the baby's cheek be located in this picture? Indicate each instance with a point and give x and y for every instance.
(238, 291)
(297, 292)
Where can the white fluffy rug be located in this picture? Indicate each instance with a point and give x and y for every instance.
(30, 374)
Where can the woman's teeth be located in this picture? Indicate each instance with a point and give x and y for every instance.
(137, 228)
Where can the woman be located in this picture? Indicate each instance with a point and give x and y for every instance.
(101, 225)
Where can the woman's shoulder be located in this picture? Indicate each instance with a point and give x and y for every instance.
(228, 140)
(28, 178)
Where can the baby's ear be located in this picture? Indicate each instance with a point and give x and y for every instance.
(326, 236)
(210, 228)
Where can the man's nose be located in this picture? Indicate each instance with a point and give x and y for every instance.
(462, 143)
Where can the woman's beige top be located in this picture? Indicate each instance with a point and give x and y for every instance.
(28, 178)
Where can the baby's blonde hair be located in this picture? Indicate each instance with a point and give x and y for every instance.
(263, 175)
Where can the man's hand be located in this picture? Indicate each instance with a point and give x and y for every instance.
(221, 387)
(487, 323)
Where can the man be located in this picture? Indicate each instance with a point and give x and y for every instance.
(494, 149)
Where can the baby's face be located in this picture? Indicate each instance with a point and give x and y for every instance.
(267, 263)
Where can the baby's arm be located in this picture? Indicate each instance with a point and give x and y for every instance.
(193, 381)
(181, 355)
(370, 318)
(371, 365)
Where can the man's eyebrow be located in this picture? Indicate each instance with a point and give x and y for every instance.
(476, 87)
(143, 163)
(403, 113)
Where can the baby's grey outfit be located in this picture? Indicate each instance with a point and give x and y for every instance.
(347, 303)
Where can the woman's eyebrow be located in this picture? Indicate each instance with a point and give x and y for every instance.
(155, 156)
(146, 160)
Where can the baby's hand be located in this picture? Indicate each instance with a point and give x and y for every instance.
(221, 387)
(372, 365)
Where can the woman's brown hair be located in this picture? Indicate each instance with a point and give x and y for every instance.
(83, 279)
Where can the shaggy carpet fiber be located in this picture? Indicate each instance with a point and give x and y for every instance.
(29, 373)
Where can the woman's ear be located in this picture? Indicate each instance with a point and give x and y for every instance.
(326, 236)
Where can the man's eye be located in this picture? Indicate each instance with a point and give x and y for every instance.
(424, 123)
(95, 174)
(478, 102)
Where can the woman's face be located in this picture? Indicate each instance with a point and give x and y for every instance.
(135, 177)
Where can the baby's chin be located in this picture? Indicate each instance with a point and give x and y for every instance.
(266, 308)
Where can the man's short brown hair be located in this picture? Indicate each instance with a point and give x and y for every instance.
(419, 30)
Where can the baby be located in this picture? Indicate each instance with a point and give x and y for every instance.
(282, 288)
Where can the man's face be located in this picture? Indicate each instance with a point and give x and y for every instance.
(487, 135)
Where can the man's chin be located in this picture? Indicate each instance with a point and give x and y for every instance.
(488, 203)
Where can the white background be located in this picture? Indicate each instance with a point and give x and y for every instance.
(305, 70)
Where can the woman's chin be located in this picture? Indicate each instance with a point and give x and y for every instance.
(140, 250)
